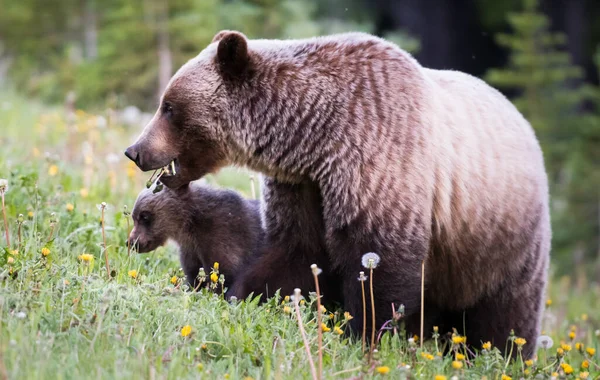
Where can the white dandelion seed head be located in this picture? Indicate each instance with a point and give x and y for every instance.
(411, 340)
(597, 333)
(3, 185)
(370, 260)
(545, 342)
(361, 276)
(316, 270)
(21, 315)
(297, 295)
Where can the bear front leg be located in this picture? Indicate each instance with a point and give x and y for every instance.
(294, 240)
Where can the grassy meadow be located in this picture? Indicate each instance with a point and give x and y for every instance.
(62, 316)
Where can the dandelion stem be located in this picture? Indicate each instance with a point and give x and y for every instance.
(128, 234)
(372, 315)
(104, 243)
(303, 333)
(5, 220)
(422, 300)
(364, 332)
(319, 326)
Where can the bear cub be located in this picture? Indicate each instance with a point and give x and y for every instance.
(209, 225)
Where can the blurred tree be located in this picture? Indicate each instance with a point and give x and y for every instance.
(551, 98)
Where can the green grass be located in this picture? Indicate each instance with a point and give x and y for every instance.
(62, 318)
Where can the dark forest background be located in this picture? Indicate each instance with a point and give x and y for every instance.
(544, 55)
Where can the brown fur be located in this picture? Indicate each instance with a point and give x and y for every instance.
(411, 163)
(208, 225)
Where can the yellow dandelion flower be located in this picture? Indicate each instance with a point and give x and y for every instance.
(174, 280)
(429, 357)
(585, 364)
(323, 309)
(383, 370)
(347, 316)
(573, 328)
(584, 317)
(10, 260)
(70, 207)
(560, 351)
(440, 377)
(200, 366)
(554, 375)
(529, 363)
(30, 214)
(572, 335)
(567, 368)
(566, 347)
(506, 377)
(52, 170)
(520, 342)
(324, 327)
(214, 277)
(287, 310)
(338, 330)
(584, 375)
(591, 351)
(457, 364)
(286, 299)
(86, 257)
(45, 251)
(186, 330)
(460, 357)
(14, 252)
(216, 266)
(226, 376)
(302, 302)
(457, 339)
(548, 302)
(487, 345)
(438, 354)
(248, 378)
(132, 273)
(66, 282)
(527, 371)
(579, 346)
(84, 192)
(415, 338)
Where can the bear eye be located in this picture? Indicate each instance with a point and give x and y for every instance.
(167, 109)
(144, 217)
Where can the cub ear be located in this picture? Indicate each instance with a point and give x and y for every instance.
(232, 53)
(219, 36)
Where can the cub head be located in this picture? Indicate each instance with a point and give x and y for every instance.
(156, 218)
(189, 131)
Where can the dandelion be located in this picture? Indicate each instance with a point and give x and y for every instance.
(86, 257)
(286, 299)
(132, 273)
(457, 339)
(457, 364)
(585, 364)
(370, 260)
(66, 282)
(324, 327)
(287, 310)
(362, 278)
(186, 330)
(545, 342)
(14, 252)
(10, 260)
(45, 251)
(548, 302)
(566, 347)
(3, 190)
(338, 330)
(520, 342)
(428, 356)
(347, 316)
(200, 366)
(174, 280)
(584, 375)
(216, 266)
(84, 192)
(316, 270)
(529, 363)
(579, 346)
(584, 317)
(591, 351)
(297, 296)
(560, 351)
(382, 370)
(572, 335)
(70, 207)
(460, 357)
(506, 377)
(487, 346)
(52, 170)
(214, 277)
(30, 214)
(567, 368)
(440, 377)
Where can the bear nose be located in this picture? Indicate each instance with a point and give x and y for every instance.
(133, 154)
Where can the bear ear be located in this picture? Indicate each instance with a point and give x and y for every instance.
(232, 53)
(219, 36)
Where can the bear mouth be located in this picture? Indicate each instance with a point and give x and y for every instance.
(172, 169)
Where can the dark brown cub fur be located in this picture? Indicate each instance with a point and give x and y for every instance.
(209, 225)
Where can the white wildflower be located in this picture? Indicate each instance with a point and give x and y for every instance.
(370, 260)
(545, 342)
(316, 270)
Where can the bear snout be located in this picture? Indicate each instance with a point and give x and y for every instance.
(133, 154)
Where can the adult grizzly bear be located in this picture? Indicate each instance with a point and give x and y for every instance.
(411, 163)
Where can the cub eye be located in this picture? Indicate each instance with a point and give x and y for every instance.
(167, 109)
(144, 217)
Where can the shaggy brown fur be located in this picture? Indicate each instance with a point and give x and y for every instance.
(209, 225)
(411, 163)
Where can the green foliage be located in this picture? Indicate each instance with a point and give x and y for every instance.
(551, 96)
